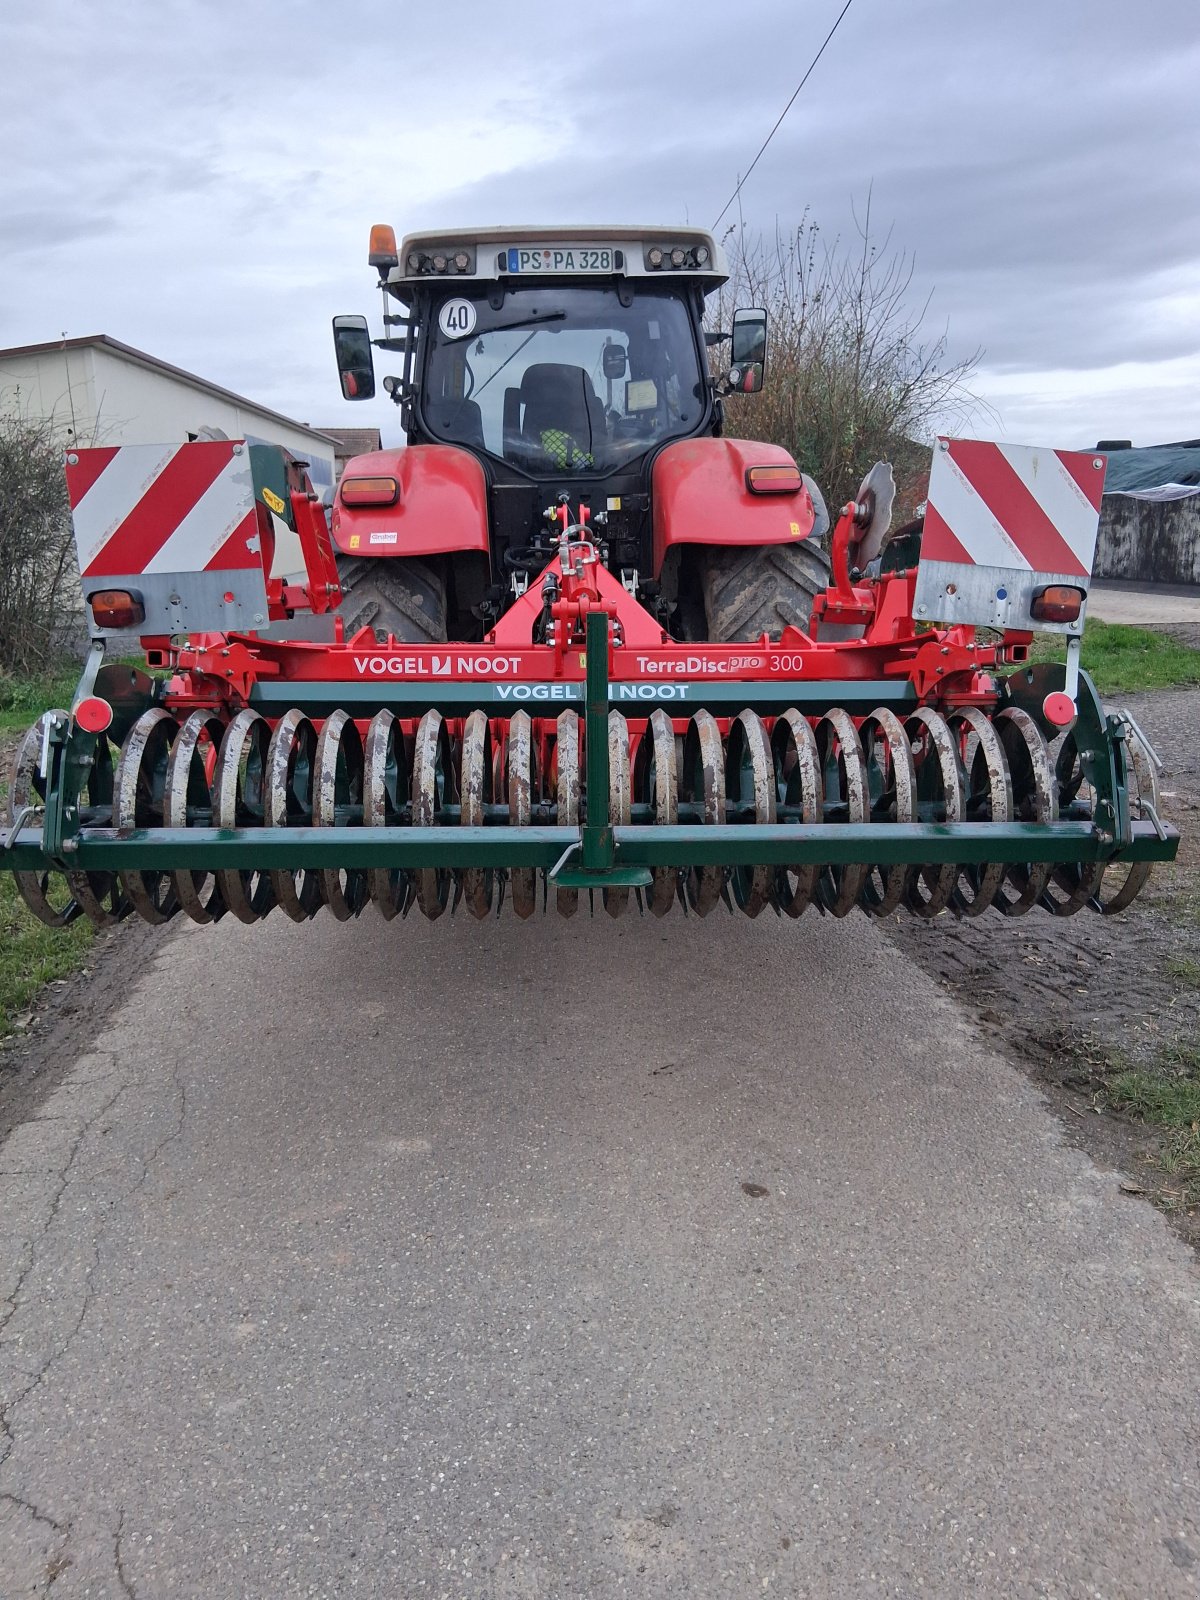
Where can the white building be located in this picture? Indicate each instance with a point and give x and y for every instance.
(99, 391)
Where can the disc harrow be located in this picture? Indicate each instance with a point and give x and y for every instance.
(481, 772)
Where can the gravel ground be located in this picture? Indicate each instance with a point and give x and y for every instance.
(1054, 992)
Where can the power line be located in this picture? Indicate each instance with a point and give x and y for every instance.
(784, 112)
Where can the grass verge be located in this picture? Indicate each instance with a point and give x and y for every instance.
(1166, 1096)
(31, 955)
(1122, 658)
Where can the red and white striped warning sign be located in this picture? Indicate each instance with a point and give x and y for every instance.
(164, 509)
(1000, 505)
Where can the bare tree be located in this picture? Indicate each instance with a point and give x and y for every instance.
(852, 377)
(37, 565)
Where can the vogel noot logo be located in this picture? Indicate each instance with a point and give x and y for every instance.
(441, 666)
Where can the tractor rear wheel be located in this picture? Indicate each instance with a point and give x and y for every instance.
(757, 589)
(749, 591)
(400, 595)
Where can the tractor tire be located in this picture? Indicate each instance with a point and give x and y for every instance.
(757, 589)
(399, 595)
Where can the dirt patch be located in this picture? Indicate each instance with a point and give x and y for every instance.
(1072, 999)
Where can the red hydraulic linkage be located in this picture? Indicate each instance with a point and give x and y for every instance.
(540, 639)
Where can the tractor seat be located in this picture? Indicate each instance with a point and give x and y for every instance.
(563, 424)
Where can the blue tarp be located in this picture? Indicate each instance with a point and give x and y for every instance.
(1132, 470)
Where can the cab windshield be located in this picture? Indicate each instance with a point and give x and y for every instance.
(563, 379)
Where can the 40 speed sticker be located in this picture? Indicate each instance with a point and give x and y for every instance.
(456, 319)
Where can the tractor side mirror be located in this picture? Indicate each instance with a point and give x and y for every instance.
(748, 355)
(356, 364)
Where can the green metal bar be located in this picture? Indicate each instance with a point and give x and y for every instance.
(736, 844)
(597, 851)
(679, 696)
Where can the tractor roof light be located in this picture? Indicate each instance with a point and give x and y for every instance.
(381, 252)
(701, 255)
(117, 608)
(774, 480)
(654, 257)
(1057, 602)
(381, 491)
(678, 257)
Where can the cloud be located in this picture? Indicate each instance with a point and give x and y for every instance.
(198, 178)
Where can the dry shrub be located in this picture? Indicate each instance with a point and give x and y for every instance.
(851, 377)
(38, 579)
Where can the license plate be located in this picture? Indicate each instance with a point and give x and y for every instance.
(559, 258)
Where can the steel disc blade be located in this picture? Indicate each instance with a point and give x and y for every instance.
(47, 894)
(139, 801)
(475, 792)
(1035, 799)
(702, 778)
(620, 797)
(750, 781)
(940, 798)
(567, 793)
(656, 780)
(797, 783)
(892, 791)
(385, 793)
(291, 781)
(432, 784)
(989, 798)
(339, 799)
(877, 492)
(523, 788)
(190, 774)
(239, 801)
(844, 783)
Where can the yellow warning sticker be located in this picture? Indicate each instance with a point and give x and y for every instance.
(614, 502)
(795, 527)
(582, 659)
(355, 540)
(271, 499)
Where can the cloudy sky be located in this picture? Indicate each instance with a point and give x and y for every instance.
(197, 178)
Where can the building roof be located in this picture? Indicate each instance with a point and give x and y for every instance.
(141, 359)
(354, 441)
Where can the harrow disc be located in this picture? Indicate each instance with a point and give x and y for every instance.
(657, 783)
(47, 894)
(291, 773)
(844, 781)
(432, 786)
(339, 791)
(522, 782)
(385, 794)
(750, 781)
(988, 798)
(892, 787)
(190, 774)
(939, 799)
(568, 792)
(1035, 799)
(620, 795)
(239, 801)
(703, 780)
(478, 882)
(797, 783)
(140, 801)
(1122, 882)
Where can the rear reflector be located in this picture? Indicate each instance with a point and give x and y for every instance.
(774, 480)
(1058, 602)
(94, 715)
(117, 608)
(1059, 709)
(369, 491)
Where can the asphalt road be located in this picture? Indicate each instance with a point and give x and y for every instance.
(578, 1259)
